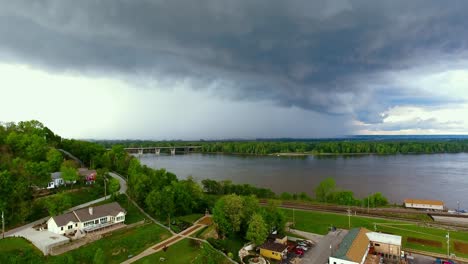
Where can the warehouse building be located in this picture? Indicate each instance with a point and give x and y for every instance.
(424, 204)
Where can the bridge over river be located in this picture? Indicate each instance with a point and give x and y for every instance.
(157, 150)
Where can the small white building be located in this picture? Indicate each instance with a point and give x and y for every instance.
(387, 245)
(87, 219)
(424, 204)
(56, 180)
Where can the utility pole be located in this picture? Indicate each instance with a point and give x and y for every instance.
(448, 244)
(349, 218)
(458, 205)
(294, 222)
(105, 188)
(3, 225)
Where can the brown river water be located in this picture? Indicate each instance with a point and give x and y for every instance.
(436, 176)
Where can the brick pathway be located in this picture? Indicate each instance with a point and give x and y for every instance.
(172, 240)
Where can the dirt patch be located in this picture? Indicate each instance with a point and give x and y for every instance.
(425, 242)
(461, 247)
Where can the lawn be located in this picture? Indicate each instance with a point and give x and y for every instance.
(191, 218)
(118, 246)
(185, 251)
(319, 222)
(19, 250)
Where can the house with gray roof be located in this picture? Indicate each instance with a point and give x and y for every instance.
(87, 219)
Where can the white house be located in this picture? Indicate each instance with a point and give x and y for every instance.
(360, 242)
(87, 219)
(424, 204)
(56, 180)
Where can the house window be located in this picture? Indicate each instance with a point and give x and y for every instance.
(61, 228)
(76, 225)
(377, 245)
(96, 222)
(70, 226)
(103, 220)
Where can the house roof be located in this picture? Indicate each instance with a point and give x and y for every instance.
(111, 209)
(418, 201)
(384, 238)
(56, 175)
(276, 236)
(83, 215)
(277, 247)
(64, 219)
(354, 245)
(85, 171)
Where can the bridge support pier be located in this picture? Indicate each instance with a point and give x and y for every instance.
(140, 151)
(157, 151)
(186, 150)
(172, 151)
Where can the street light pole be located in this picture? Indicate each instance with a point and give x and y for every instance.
(448, 244)
(349, 218)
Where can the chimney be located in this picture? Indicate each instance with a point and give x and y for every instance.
(90, 210)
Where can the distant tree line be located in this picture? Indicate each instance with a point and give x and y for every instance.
(312, 147)
(327, 192)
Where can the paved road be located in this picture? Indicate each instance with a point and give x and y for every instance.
(320, 253)
(310, 236)
(123, 190)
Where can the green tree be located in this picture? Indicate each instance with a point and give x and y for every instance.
(227, 214)
(274, 218)
(54, 159)
(257, 231)
(161, 203)
(325, 189)
(250, 206)
(99, 257)
(113, 186)
(69, 173)
(38, 173)
(286, 196)
(57, 203)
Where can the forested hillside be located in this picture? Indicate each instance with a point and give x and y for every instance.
(318, 147)
(27, 157)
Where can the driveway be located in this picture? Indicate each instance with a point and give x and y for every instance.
(321, 252)
(43, 240)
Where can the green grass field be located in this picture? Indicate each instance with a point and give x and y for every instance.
(116, 247)
(185, 251)
(19, 250)
(191, 218)
(319, 223)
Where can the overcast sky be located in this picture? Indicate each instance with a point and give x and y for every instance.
(212, 69)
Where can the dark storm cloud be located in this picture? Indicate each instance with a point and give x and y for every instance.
(321, 56)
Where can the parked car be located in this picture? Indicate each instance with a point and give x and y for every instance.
(299, 251)
(441, 261)
(303, 248)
